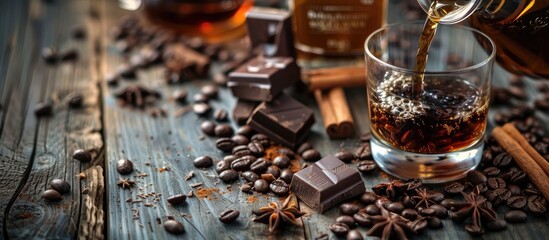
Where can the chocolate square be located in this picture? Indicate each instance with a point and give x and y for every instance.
(270, 32)
(326, 183)
(284, 120)
(261, 79)
(242, 110)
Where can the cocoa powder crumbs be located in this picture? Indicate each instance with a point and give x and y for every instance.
(206, 193)
(251, 199)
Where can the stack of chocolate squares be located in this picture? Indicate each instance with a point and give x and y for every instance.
(259, 83)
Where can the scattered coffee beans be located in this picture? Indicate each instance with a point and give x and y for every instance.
(82, 155)
(177, 199)
(60, 186)
(229, 216)
(174, 227)
(124, 166)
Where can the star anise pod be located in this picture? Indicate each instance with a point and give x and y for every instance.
(389, 225)
(476, 208)
(424, 198)
(137, 96)
(125, 183)
(273, 214)
(392, 190)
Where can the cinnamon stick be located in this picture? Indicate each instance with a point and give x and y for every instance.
(515, 134)
(337, 118)
(325, 78)
(525, 162)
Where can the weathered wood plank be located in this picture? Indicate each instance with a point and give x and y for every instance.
(47, 153)
(92, 217)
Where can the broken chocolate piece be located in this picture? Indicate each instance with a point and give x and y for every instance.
(261, 79)
(284, 120)
(326, 183)
(270, 32)
(242, 110)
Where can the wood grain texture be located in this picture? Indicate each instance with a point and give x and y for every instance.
(92, 218)
(36, 150)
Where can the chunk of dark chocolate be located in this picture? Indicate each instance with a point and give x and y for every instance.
(242, 110)
(326, 183)
(284, 120)
(261, 79)
(270, 32)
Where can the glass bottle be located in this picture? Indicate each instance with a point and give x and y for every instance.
(215, 20)
(519, 28)
(335, 28)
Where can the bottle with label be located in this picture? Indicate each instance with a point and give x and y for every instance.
(335, 28)
(520, 30)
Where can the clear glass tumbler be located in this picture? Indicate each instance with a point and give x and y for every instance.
(437, 133)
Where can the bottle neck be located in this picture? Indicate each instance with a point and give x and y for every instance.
(498, 9)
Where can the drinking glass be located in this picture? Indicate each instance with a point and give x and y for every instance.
(436, 133)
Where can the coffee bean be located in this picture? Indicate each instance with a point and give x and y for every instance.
(514, 189)
(496, 225)
(537, 205)
(274, 170)
(517, 202)
(246, 188)
(364, 152)
(228, 175)
(82, 155)
(60, 186)
(372, 209)
(68, 55)
(76, 100)
(518, 177)
(203, 162)
(419, 224)
(476, 177)
(347, 220)
(43, 109)
(229, 216)
(208, 128)
(362, 219)
(240, 151)
(256, 149)
(261, 186)
(180, 95)
(448, 203)
(348, 208)
(339, 229)
(541, 148)
(245, 130)
(222, 166)
(440, 211)
(124, 166)
(354, 235)
(487, 156)
(286, 152)
(311, 155)
(427, 212)
(225, 144)
(201, 109)
(436, 196)
(395, 207)
(366, 166)
(243, 163)
(368, 198)
(281, 161)
(491, 171)
(410, 213)
(112, 79)
(174, 227)
(260, 165)
(531, 190)
(304, 147)
(210, 90)
(454, 188)
(200, 98)
(126, 71)
(220, 115)
(52, 195)
(480, 189)
(177, 199)
(240, 140)
(502, 160)
(516, 216)
(279, 187)
(223, 130)
(261, 138)
(345, 156)
(286, 176)
(434, 223)
(250, 176)
(495, 183)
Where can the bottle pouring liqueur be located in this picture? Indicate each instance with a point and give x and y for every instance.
(520, 30)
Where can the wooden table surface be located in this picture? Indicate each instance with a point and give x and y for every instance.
(35, 150)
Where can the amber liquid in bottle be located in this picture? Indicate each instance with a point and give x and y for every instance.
(336, 28)
(522, 38)
(216, 20)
